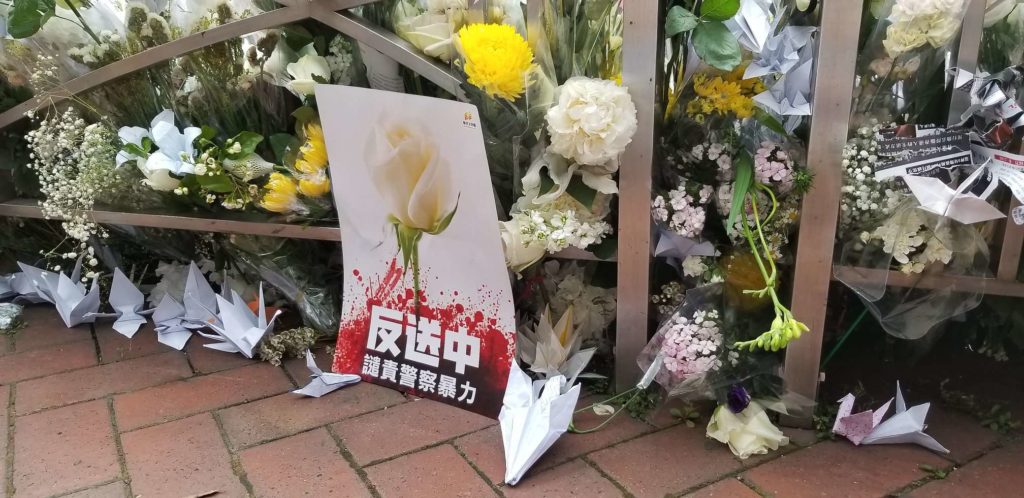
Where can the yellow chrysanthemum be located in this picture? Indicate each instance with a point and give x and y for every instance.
(313, 153)
(314, 185)
(497, 59)
(725, 94)
(281, 195)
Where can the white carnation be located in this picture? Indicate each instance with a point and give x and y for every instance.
(593, 121)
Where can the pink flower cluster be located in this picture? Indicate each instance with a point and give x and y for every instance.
(691, 345)
(772, 166)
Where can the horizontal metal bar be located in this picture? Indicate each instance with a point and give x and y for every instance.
(29, 208)
(158, 54)
(390, 45)
(957, 283)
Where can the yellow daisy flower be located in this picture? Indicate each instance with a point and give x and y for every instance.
(314, 185)
(281, 195)
(497, 59)
(313, 153)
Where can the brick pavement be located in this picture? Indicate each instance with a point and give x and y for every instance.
(91, 414)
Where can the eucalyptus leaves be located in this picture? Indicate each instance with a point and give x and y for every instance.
(711, 39)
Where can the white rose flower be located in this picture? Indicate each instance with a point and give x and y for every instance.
(443, 5)
(749, 432)
(305, 72)
(412, 176)
(593, 121)
(431, 33)
(519, 254)
(903, 37)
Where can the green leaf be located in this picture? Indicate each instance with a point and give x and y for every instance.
(221, 183)
(208, 132)
(443, 224)
(303, 115)
(719, 10)
(679, 20)
(280, 143)
(27, 16)
(296, 36)
(581, 192)
(769, 121)
(606, 249)
(744, 178)
(717, 46)
(135, 150)
(248, 140)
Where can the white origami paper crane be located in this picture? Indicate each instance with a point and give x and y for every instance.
(75, 304)
(935, 197)
(555, 350)
(238, 329)
(533, 416)
(169, 319)
(781, 53)
(199, 300)
(6, 287)
(858, 426)
(905, 426)
(33, 284)
(127, 302)
(791, 94)
(752, 24)
(324, 382)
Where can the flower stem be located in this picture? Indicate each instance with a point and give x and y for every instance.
(636, 392)
(85, 25)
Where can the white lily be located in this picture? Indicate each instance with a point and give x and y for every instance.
(306, 71)
(175, 153)
(554, 350)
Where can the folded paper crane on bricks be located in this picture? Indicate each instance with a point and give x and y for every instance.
(322, 382)
(128, 303)
(905, 426)
(169, 321)
(534, 415)
(75, 303)
(237, 328)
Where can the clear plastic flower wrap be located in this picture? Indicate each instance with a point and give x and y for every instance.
(693, 345)
(934, 253)
(302, 271)
(902, 63)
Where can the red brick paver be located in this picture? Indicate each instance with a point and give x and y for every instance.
(406, 427)
(181, 458)
(670, 461)
(44, 328)
(62, 450)
(726, 488)
(96, 382)
(575, 478)
(307, 464)
(206, 360)
(288, 413)
(39, 362)
(485, 450)
(113, 490)
(837, 468)
(198, 394)
(116, 347)
(996, 474)
(438, 471)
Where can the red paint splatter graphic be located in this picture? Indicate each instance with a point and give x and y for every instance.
(497, 347)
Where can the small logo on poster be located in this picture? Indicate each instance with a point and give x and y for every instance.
(467, 120)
